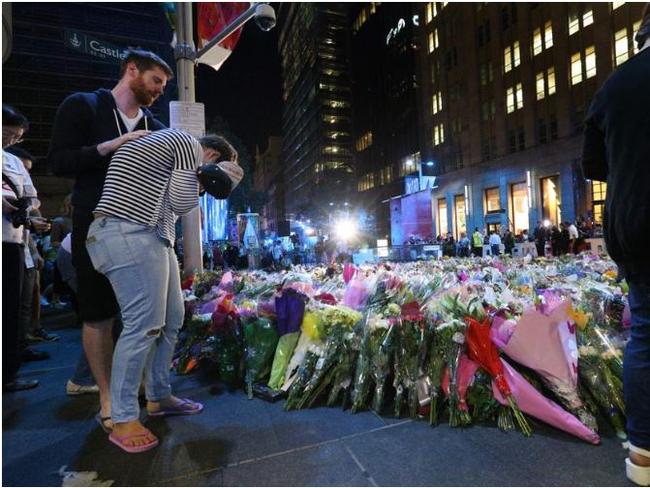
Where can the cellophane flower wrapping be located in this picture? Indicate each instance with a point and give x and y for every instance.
(283, 352)
(260, 339)
(546, 343)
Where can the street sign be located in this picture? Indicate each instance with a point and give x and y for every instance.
(86, 44)
(188, 116)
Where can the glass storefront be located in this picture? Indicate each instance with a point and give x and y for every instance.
(460, 216)
(443, 226)
(551, 199)
(519, 207)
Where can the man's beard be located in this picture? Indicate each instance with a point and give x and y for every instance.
(143, 96)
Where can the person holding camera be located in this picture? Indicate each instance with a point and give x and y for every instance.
(17, 194)
(150, 182)
(88, 129)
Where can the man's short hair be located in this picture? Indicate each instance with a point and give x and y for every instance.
(20, 153)
(12, 118)
(219, 143)
(144, 61)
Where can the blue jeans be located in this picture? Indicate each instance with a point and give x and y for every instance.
(636, 368)
(144, 274)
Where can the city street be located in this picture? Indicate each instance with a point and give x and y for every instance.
(244, 442)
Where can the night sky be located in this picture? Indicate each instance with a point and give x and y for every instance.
(246, 91)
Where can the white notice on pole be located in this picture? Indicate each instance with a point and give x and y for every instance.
(188, 116)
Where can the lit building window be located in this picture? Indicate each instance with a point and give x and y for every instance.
(516, 56)
(590, 62)
(615, 5)
(548, 35)
(576, 68)
(433, 40)
(436, 103)
(621, 46)
(598, 196)
(574, 24)
(537, 42)
(519, 96)
(443, 227)
(587, 18)
(492, 200)
(510, 100)
(438, 134)
(507, 59)
(511, 57)
(539, 85)
(635, 29)
(431, 11)
(550, 80)
(364, 142)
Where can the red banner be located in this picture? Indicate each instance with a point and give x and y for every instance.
(213, 17)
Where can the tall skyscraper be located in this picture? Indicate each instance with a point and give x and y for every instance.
(316, 123)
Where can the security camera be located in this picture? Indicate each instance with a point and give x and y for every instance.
(265, 17)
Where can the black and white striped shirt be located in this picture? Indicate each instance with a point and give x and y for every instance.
(152, 180)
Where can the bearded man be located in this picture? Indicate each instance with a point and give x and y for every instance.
(88, 129)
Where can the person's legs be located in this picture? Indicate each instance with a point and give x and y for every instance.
(13, 265)
(158, 386)
(636, 371)
(135, 261)
(26, 304)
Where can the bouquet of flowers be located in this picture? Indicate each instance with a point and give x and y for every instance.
(260, 338)
(380, 349)
(409, 339)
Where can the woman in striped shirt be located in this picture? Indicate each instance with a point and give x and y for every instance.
(150, 182)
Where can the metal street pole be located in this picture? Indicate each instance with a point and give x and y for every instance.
(185, 54)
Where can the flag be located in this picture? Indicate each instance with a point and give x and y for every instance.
(212, 19)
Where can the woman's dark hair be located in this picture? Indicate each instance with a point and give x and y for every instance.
(219, 143)
(12, 118)
(20, 153)
(144, 60)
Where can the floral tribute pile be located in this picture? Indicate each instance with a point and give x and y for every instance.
(458, 340)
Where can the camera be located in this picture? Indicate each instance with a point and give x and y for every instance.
(265, 17)
(20, 216)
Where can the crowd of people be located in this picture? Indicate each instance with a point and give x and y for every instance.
(114, 244)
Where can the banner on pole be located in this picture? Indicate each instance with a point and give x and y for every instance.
(212, 18)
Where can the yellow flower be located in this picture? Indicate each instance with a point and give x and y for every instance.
(611, 274)
(311, 325)
(578, 317)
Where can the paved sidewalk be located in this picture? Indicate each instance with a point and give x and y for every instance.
(241, 442)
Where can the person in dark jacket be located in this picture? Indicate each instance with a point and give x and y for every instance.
(617, 150)
(88, 129)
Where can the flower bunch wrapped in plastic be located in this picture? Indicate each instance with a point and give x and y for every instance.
(260, 339)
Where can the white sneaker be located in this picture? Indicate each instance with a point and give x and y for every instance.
(74, 389)
(638, 474)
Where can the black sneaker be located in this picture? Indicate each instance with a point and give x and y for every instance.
(41, 335)
(31, 355)
(20, 385)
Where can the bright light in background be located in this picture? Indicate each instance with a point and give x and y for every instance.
(309, 231)
(429, 163)
(547, 223)
(345, 229)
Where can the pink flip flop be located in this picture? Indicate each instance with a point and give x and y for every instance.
(186, 407)
(119, 442)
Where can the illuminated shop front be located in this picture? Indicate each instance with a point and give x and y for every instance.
(460, 216)
(443, 226)
(519, 209)
(598, 195)
(551, 199)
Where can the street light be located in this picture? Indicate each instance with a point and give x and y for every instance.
(186, 59)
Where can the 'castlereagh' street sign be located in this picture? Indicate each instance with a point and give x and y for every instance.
(95, 47)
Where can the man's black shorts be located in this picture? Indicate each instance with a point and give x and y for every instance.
(95, 294)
